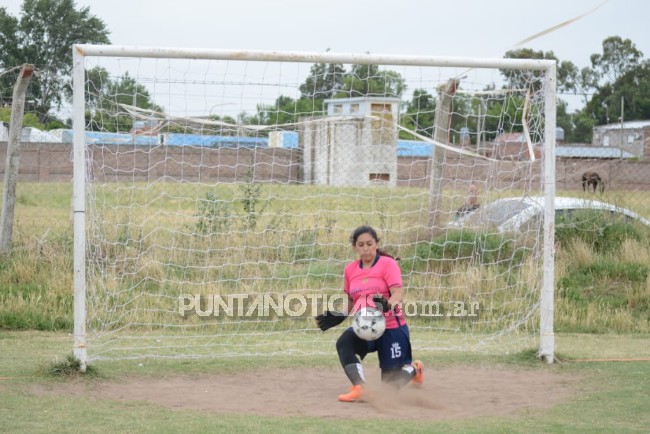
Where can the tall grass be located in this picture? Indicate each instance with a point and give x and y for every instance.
(206, 241)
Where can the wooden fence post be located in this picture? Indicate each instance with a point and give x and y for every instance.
(13, 152)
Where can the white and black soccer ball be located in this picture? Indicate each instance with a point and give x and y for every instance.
(369, 323)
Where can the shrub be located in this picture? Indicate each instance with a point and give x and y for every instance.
(467, 246)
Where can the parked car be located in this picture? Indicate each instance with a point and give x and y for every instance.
(519, 213)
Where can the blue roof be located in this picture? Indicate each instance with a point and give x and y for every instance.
(590, 152)
(103, 138)
(413, 148)
(176, 139)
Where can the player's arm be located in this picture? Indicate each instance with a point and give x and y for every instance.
(391, 303)
(330, 318)
(393, 278)
(396, 297)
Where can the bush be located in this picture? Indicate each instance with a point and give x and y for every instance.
(467, 246)
(596, 229)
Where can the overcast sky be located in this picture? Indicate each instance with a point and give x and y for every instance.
(458, 28)
(465, 28)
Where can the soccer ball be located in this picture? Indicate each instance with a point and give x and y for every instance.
(369, 323)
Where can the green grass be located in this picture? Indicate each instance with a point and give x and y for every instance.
(601, 309)
(300, 242)
(607, 397)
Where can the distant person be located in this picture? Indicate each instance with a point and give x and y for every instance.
(472, 202)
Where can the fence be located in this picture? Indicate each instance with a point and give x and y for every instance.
(52, 162)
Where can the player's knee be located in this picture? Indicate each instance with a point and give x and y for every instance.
(397, 377)
(390, 376)
(345, 349)
(342, 343)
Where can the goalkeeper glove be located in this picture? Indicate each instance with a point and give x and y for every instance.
(329, 319)
(381, 302)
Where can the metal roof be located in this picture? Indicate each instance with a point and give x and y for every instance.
(626, 125)
(590, 152)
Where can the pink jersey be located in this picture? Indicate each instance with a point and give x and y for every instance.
(362, 283)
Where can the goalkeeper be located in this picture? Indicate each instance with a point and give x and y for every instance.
(373, 279)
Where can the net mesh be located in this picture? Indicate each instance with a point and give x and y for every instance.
(221, 196)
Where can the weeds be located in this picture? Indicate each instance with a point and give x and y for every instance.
(251, 192)
(70, 367)
(213, 215)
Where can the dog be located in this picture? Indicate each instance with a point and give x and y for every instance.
(592, 179)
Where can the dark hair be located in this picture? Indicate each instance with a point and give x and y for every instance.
(373, 233)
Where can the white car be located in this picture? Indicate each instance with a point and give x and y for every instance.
(516, 213)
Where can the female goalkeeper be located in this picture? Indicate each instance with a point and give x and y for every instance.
(374, 279)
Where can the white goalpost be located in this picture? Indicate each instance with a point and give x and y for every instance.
(215, 192)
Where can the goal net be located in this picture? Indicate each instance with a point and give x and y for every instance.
(215, 193)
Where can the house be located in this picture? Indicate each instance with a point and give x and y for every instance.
(632, 137)
(591, 152)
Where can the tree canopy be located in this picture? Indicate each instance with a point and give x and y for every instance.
(615, 86)
(106, 95)
(329, 81)
(43, 36)
(324, 81)
(617, 83)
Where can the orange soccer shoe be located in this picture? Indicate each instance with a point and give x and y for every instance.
(355, 394)
(418, 379)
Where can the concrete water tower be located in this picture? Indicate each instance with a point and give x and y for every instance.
(355, 144)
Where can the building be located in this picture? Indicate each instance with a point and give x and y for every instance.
(355, 144)
(632, 137)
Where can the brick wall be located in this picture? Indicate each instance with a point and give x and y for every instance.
(50, 162)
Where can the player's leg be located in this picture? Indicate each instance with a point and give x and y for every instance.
(350, 348)
(395, 359)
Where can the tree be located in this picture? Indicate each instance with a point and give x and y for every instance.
(618, 74)
(368, 80)
(567, 72)
(106, 97)
(618, 57)
(632, 89)
(287, 110)
(419, 114)
(583, 128)
(324, 81)
(585, 83)
(8, 59)
(29, 120)
(43, 36)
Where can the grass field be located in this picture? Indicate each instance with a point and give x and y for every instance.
(607, 396)
(602, 319)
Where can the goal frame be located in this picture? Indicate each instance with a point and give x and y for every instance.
(80, 51)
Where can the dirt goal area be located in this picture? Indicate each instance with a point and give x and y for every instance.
(447, 393)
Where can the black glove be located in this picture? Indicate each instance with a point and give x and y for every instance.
(329, 319)
(381, 302)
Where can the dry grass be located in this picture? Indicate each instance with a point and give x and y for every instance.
(152, 253)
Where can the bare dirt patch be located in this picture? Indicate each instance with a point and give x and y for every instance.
(449, 393)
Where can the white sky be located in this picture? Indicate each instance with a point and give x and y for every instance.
(465, 28)
(459, 28)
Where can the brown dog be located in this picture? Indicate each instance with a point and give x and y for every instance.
(592, 179)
